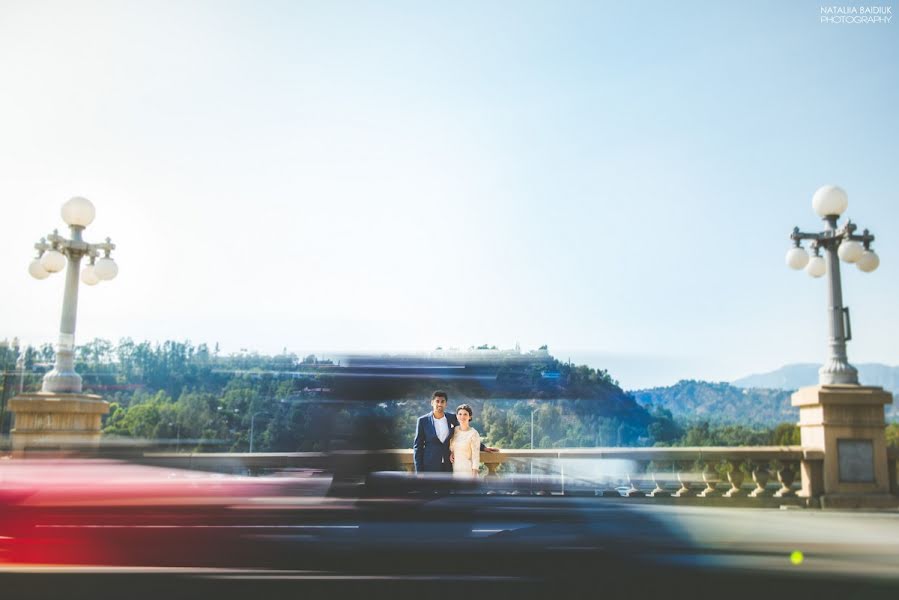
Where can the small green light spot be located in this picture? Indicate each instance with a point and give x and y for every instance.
(796, 557)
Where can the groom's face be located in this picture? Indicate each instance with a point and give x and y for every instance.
(439, 405)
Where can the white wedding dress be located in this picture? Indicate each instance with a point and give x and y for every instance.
(466, 449)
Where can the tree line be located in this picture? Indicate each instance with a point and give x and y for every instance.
(191, 397)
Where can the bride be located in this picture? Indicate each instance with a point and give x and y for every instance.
(465, 445)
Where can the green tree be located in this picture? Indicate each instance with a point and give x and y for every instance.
(786, 434)
(892, 434)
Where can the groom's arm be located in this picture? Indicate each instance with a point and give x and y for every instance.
(418, 446)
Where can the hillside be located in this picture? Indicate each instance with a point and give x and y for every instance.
(795, 376)
(189, 394)
(720, 403)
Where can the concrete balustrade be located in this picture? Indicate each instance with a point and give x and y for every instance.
(748, 476)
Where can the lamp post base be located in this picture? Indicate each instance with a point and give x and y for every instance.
(46, 420)
(61, 383)
(63, 379)
(837, 372)
(847, 423)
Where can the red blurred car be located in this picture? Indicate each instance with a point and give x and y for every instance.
(105, 512)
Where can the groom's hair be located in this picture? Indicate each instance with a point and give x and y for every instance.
(440, 394)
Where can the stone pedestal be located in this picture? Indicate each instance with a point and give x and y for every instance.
(55, 420)
(847, 423)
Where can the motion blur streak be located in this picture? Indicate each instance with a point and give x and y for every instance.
(148, 532)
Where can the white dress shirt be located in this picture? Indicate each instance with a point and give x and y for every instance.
(442, 428)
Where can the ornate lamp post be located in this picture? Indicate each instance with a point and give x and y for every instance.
(54, 253)
(829, 202)
(839, 418)
(60, 415)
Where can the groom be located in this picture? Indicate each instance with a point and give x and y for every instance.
(432, 436)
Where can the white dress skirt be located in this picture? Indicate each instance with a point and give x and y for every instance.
(466, 449)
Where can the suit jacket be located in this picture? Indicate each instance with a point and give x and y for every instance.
(429, 453)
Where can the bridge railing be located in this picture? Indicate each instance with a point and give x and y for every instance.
(763, 475)
(700, 472)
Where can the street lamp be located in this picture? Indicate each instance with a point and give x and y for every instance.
(52, 253)
(533, 410)
(177, 424)
(829, 202)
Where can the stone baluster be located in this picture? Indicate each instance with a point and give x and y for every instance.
(633, 478)
(735, 476)
(760, 475)
(711, 479)
(659, 490)
(607, 486)
(786, 475)
(684, 476)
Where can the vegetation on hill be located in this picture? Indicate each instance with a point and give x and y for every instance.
(193, 398)
(721, 403)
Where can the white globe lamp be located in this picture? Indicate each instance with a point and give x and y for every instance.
(89, 275)
(830, 200)
(850, 251)
(797, 258)
(816, 266)
(106, 269)
(37, 270)
(78, 212)
(868, 261)
(53, 261)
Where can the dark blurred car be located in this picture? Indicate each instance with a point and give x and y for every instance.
(101, 528)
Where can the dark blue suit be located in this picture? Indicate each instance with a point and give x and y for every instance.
(430, 454)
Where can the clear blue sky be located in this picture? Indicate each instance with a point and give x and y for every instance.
(617, 180)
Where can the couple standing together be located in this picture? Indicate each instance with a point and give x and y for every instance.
(447, 442)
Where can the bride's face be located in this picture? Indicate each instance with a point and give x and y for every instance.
(463, 417)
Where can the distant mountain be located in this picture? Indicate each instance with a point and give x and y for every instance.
(789, 377)
(793, 377)
(762, 399)
(721, 403)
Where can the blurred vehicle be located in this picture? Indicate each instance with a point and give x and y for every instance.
(104, 512)
(72, 524)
